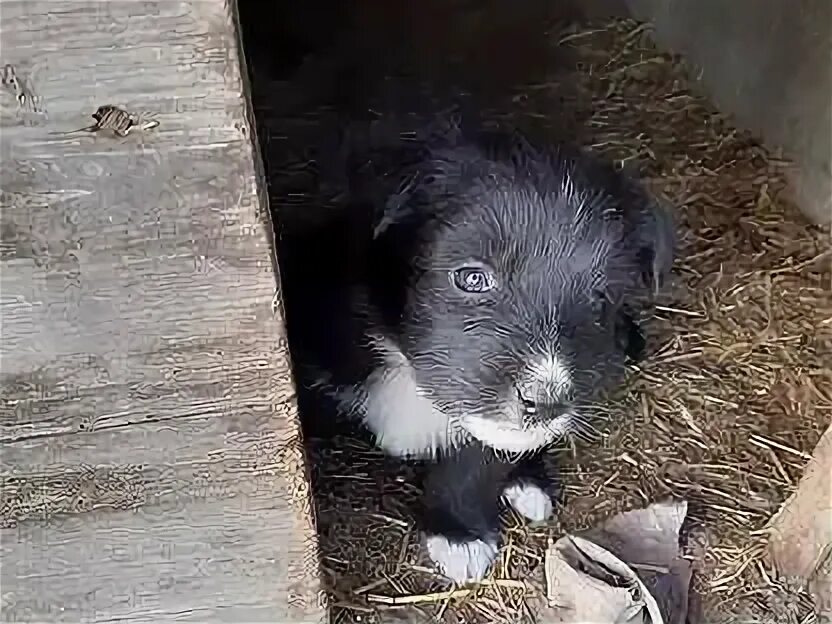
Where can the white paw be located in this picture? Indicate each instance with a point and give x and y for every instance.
(529, 500)
(462, 562)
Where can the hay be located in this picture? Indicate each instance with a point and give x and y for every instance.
(724, 413)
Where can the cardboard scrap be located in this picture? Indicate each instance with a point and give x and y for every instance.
(800, 533)
(587, 579)
(648, 540)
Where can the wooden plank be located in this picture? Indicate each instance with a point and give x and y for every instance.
(151, 462)
(193, 527)
(800, 533)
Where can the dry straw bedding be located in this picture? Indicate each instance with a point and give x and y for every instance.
(724, 413)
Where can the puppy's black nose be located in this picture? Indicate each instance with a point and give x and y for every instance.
(544, 406)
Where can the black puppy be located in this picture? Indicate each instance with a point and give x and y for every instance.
(493, 301)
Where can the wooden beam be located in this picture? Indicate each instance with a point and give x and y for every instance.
(151, 466)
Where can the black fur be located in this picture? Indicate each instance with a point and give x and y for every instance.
(463, 491)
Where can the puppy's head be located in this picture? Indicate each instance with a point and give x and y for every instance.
(500, 271)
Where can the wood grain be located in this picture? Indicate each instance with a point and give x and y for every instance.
(800, 533)
(151, 462)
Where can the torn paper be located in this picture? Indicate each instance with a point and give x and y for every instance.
(628, 571)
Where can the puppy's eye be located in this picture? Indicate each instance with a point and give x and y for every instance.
(473, 280)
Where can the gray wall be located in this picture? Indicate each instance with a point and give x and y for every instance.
(768, 63)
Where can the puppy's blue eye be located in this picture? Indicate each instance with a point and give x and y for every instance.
(473, 280)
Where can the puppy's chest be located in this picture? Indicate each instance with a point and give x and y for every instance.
(405, 422)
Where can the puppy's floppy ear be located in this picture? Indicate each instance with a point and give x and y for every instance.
(381, 179)
(649, 222)
(389, 159)
(395, 208)
(655, 228)
(656, 238)
(410, 169)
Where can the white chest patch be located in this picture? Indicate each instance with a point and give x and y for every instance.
(504, 436)
(405, 422)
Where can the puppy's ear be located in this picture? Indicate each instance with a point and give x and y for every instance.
(398, 174)
(382, 180)
(654, 225)
(656, 238)
(412, 171)
(395, 208)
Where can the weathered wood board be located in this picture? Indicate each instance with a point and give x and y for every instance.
(151, 463)
(800, 533)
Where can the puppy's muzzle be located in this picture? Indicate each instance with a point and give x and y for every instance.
(543, 406)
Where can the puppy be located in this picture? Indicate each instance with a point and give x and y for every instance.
(491, 295)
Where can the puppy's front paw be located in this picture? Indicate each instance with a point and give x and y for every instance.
(529, 500)
(462, 562)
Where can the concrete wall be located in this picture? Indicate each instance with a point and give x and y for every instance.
(768, 63)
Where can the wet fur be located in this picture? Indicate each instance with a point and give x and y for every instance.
(382, 338)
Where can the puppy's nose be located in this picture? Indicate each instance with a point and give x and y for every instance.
(545, 403)
(544, 388)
